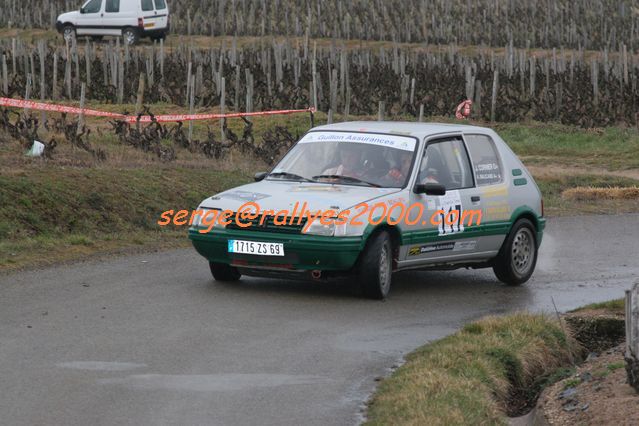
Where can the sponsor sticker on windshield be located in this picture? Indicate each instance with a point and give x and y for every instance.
(392, 141)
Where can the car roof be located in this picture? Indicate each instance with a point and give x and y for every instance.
(419, 130)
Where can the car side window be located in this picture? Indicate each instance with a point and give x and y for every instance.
(147, 5)
(446, 162)
(112, 6)
(486, 162)
(93, 6)
(160, 4)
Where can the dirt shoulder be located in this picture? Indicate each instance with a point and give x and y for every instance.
(597, 394)
(550, 169)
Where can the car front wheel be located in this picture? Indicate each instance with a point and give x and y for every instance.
(517, 258)
(224, 272)
(376, 267)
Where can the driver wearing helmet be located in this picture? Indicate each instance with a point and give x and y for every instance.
(349, 162)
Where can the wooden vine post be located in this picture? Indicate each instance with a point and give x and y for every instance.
(140, 98)
(632, 336)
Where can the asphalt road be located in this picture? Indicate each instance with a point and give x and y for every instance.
(152, 339)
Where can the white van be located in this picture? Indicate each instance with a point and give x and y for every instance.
(131, 19)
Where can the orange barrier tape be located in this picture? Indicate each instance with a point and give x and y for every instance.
(191, 117)
(39, 106)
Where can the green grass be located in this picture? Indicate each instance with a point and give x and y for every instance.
(612, 147)
(552, 187)
(616, 365)
(61, 213)
(615, 306)
(572, 383)
(468, 377)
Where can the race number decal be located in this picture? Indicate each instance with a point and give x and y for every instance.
(450, 222)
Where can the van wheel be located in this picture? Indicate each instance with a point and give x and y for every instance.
(160, 37)
(96, 38)
(130, 36)
(376, 267)
(68, 32)
(517, 257)
(224, 272)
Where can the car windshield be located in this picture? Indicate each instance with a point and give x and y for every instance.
(363, 159)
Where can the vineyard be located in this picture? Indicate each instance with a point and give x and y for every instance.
(589, 24)
(548, 61)
(569, 86)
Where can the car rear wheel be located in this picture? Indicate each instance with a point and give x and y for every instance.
(517, 258)
(224, 272)
(68, 32)
(376, 267)
(130, 36)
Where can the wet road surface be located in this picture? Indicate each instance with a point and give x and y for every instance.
(152, 339)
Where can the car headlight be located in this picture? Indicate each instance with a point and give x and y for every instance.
(197, 220)
(318, 228)
(207, 218)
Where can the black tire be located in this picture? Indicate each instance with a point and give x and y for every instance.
(131, 36)
(68, 33)
(96, 38)
(376, 267)
(224, 272)
(516, 260)
(159, 37)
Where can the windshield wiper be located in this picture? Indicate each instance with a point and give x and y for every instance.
(347, 178)
(292, 176)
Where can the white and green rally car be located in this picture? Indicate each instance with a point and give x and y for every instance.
(394, 195)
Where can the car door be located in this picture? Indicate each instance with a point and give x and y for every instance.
(160, 18)
(152, 19)
(488, 169)
(90, 19)
(434, 232)
(114, 17)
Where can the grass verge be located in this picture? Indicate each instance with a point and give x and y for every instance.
(471, 376)
(616, 306)
(53, 214)
(555, 187)
(592, 193)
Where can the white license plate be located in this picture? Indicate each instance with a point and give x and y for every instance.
(256, 247)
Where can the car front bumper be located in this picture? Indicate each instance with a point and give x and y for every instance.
(302, 252)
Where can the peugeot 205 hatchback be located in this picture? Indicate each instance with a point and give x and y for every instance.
(393, 196)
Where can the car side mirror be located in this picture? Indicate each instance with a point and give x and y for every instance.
(260, 176)
(430, 189)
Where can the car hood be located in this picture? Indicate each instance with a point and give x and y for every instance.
(68, 17)
(282, 195)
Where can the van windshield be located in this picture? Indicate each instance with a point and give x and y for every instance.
(350, 159)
